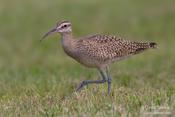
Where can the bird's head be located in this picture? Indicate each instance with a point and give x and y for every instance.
(61, 27)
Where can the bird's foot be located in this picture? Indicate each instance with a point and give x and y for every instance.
(82, 84)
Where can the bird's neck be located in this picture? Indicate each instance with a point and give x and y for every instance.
(67, 42)
(67, 35)
(67, 39)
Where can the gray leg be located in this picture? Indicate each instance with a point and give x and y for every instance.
(86, 82)
(109, 80)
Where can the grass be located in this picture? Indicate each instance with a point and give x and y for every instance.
(38, 79)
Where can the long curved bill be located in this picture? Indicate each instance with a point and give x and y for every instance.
(48, 33)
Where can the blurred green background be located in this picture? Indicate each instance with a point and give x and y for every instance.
(40, 79)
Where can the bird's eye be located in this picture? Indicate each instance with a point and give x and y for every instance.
(64, 26)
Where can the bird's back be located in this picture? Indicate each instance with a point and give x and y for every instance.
(102, 49)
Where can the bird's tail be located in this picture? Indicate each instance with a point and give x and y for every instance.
(140, 47)
(153, 45)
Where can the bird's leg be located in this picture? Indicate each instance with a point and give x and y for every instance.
(109, 80)
(86, 82)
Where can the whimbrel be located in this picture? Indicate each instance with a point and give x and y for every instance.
(97, 51)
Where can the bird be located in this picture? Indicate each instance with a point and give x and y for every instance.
(97, 50)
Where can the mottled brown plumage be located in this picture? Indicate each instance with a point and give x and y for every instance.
(97, 51)
(101, 50)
